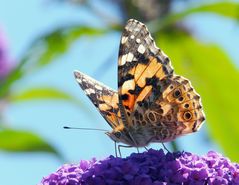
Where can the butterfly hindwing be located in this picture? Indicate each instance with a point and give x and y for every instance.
(178, 111)
(104, 98)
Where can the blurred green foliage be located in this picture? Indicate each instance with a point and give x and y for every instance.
(41, 52)
(209, 68)
(59, 41)
(227, 9)
(24, 141)
(40, 93)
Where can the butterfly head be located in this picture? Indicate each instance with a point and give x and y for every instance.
(121, 135)
(118, 134)
(115, 136)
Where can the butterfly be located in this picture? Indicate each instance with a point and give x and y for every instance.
(152, 103)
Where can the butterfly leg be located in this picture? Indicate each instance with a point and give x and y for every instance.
(146, 148)
(165, 148)
(116, 155)
(124, 146)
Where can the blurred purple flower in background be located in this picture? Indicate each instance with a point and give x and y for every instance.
(149, 168)
(5, 62)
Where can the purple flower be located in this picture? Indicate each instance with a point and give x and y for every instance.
(149, 168)
(5, 63)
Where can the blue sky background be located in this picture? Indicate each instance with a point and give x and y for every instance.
(22, 23)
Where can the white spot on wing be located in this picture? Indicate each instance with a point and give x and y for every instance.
(132, 36)
(141, 49)
(126, 58)
(124, 39)
(79, 80)
(130, 57)
(123, 59)
(148, 40)
(98, 87)
(138, 41)
(89, 91)
(153, 49)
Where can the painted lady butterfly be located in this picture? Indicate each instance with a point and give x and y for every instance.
(152, 103)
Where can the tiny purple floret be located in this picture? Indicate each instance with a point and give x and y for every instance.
(149, 168)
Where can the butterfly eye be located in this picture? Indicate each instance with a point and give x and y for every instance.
(117, 134)
(176, 93)
(187, 115)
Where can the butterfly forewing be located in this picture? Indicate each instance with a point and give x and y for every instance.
(104, 98)
(142, 68)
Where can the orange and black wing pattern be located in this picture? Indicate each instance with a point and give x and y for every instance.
(152, 104)
(142, 68)
(104, 98)
(151, 96)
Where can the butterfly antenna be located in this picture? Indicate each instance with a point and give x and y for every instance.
(79, 128)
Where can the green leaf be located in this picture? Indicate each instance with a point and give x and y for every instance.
(40, 93)
(215, 78)
(227, 9)
(59, 41)
(45, 50)
(24, 141)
